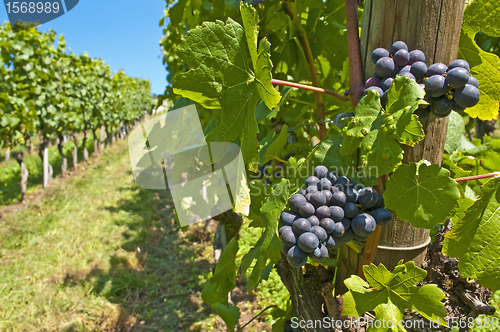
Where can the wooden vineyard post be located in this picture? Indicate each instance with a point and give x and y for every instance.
(432, 26)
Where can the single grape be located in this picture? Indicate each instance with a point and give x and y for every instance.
(346, 222)
(460, 63)
(303, 192)
(380, 202)
(320, 171)
(374, 88)
(473, 81)
(383, 99)
(317, 199)
(372, 81)
(288, 217)
(401, 57)
(423, 113)
(332, 176)
(315, 254)
(336, 213)
(441, 107)
(328, 195)
(288, 238)
(386, 83)
(284, 229)
(313, 220)
(416, 55)
(306, 210)
(312, 189)
(308, 197)
(323, 251)
(320, 233)
(385, 67)
(436, 86)
(343, 181)
(351, 195)
(348, 235)
(379, 53)
(418, 69)
(308, 242)
(296, 257)
(457, 77)
(300, 226)
(363, 224)
(284, 249)
(383, 217)
(350, 210)
(323, 212)
(296, 201)
(312, 181)
(338, 198)
(327, 224)
(405, 69)
(456, 107)
(339, 229)
(409, 75)
(399, 45)
(324, 184)
(367, 197)
(436, 69)
(468, 96)
(332, 242)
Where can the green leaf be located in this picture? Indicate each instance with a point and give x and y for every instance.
(424, 196)
(389, 294)
(474, 238)
(482, 15)
(230, 315)
(456, 127)
(275, 148)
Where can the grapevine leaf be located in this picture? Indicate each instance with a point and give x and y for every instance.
(268, 247)
(230, 315)
(274, 150)
(482, 15)
(456, 127)
(389, 294)
(474, 238)
(424, 195)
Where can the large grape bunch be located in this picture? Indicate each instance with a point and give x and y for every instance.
(331, 210)
(447, 88)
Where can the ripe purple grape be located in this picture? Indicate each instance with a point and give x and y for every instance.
(284, 249)
(323, 212)
(409, 75)
(303, 192)
(441, 107)
(332, 176)
(283, 230)
(320, 171)
(351, 195)
(313, 220)
(339, 229)
(436, 86)
(380, 202)
(379, 53)
(457, 77)
(436, 69)
(296, 257)
(385, 67)
(323, 251)
(423, 113)
(363, 224)
(288, 217)
(288, 238)
(308, 242)
(468, 96)
(324, 184)
(418, 69)
(473, 81)
(320, 233)
(386, 83)
(300, 226)
(296, 201)
(416, 55)
(367, 198)
(372, 81)
(328, 195)
(328, 225)
(312, 189)
(383, 217)
(405, 69)
(374, 88)
(336, 213)
(317, 199)
(399, 45)
(460, 63)
(338, 198)
(401, 57)
(315, 254)
(456, 107)
(332, 242)
(312, 181)
(346, 222)
(348, 236)
(350, 210)
(306, 210)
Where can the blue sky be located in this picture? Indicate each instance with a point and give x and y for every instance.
(124, 33)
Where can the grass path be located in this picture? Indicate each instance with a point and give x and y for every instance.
(96, 253)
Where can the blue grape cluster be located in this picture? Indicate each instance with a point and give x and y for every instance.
(331, 210)
(447, 88)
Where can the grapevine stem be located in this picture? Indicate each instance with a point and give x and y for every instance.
(310, 64)
(478, 177)
(260, 313)
(310, 88)
(355, 68)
